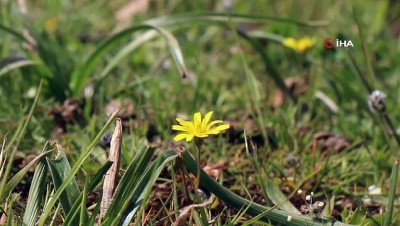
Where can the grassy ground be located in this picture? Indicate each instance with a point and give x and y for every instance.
(299, 120)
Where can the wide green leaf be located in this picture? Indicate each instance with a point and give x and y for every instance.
(59, 170)
(36, 193)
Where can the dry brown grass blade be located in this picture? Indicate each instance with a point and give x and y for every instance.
(111, 178)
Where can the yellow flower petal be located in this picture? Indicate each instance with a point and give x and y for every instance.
(212, 123)
(180, 137)
(206, 119)
(185, 123)
(189, 138)
(199, 127)
(197, 119)
(300, 45)
(181, 128)
(218, 129)
(290, 42)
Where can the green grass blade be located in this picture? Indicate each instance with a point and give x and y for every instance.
(265, 35)
(144, 188)
(96, 180)
(10, 63)
(92, 220)
(74, 170)
(57, 61)
(392, 192)
(11, 32)
(201, 17)
(269, 65)
(59, 169)
(270, 215)
(10, 213)
(36, 193)
(278, 198)
(83, 216)
(20, 175)
(81, 76)
(17, 137)
(130, 179)
(125, 51)
(3, 191)
(367, 58)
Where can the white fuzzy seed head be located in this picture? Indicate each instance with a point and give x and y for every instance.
(308, 197)
(377, 101)
(289, 218)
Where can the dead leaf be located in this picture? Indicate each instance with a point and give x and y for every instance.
(328, 141)
(70, 112)
(297, 85)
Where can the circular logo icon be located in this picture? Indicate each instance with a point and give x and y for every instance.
(329, 42)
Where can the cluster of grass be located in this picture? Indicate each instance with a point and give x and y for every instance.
(299, 120)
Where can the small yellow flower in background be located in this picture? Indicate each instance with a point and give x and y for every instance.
(51, 24)
(198, 127)
(300, 45)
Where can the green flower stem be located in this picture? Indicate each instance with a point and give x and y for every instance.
(198, 142)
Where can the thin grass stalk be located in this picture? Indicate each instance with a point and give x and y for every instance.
(82, 218)
(360, 73)
(21, 130)
(150, 178)
(6, 174)
(94, 181)
(367, 58)
(378, 104)
(269, 65)
(178, 19)
(389, 122)
(10, 31)
(92, 219)
(10, 215)
(392, 192)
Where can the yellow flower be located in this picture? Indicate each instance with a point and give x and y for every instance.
(198, 127)
(300, 45)
(51, 24)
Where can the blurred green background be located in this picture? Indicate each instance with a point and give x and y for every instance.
(311, 106)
